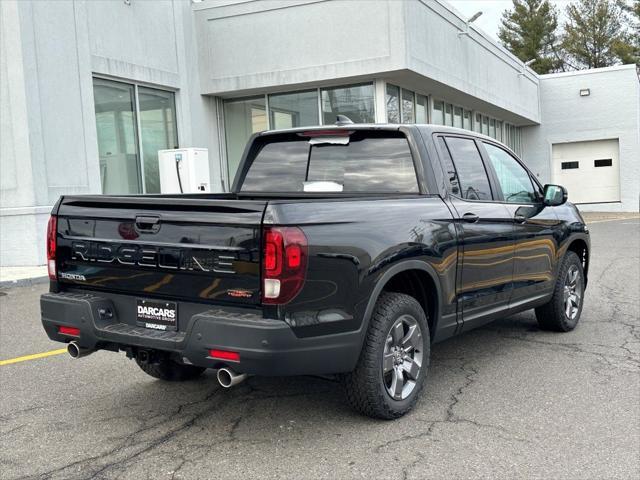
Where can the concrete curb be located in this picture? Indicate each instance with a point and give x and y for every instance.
(23, 282)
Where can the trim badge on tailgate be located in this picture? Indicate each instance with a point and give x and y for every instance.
(239, 293)
(152, 256)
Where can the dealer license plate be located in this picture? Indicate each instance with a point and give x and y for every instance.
(157, 314)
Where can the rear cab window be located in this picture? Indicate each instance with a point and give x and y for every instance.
(467, 176)
(358, 161)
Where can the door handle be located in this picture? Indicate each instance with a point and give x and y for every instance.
(470, 217)
(147, 224)
(518, 218)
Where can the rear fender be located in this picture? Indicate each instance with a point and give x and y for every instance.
(384, 279)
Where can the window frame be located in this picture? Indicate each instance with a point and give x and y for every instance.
(414, 104)
(398, 92)
(494, 176)
(425, 186)
(608, 162)
(484, 159)
(136, 114)
(336, 87)
(433, 109)
(270, 109)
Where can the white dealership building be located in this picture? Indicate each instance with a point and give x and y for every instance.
(91, 90)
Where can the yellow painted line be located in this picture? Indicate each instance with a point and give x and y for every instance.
(35, 356)
(612, 220)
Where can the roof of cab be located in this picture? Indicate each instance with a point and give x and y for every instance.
(425, 127)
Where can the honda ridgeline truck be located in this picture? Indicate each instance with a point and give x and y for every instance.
(345, 250)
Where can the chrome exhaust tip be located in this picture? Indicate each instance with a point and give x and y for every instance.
(76, 351)
(227, 378)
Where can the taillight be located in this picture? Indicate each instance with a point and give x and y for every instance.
(284, 263)
(51, 246)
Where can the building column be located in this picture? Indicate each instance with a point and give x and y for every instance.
(380, 100)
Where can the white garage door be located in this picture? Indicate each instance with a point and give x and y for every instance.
(589, 170)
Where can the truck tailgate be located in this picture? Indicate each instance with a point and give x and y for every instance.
(179, 248)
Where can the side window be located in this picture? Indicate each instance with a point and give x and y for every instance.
(453, 184)
(472, 176)
(515, 181)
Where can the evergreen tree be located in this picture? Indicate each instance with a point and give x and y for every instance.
(529, 32)
(595, 34)
(627, 48)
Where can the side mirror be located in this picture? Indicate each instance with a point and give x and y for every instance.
(554, 195)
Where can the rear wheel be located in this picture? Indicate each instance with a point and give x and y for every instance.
(168, 370)
(562, 313)
(393, 363)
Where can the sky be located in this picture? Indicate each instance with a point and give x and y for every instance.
(492, 12)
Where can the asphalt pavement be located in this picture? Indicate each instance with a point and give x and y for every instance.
(504, 401)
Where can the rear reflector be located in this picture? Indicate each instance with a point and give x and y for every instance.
(224, 355)
(75, 332)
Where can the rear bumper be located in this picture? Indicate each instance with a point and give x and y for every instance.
(266, 346)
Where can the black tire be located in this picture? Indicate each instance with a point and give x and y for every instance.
(554, 315)
(170, 371)
(366, 387)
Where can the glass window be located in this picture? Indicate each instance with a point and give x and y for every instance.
(570, 165)
(485, 125)
(477, 125)
(466, 120)
(290, 110)
(408, 115)
(457, 117)
(117, 137)
(421, 109)
(438, 112)
(393, 104)
(242, 118)
(499, 130)
(448, 114)
(514, 180)
(474, 182)
(278, 167)
(450, 170)
(492, 128)
(157, 131)
(356, 102)
(376, 163)
(605, 162)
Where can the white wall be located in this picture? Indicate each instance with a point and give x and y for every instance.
(474, 63)
(611, 111)
(245, 46)
(277, 45)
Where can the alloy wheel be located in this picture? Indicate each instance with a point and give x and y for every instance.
(402, 357)
(572, 292)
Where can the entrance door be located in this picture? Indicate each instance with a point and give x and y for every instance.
(590, 171)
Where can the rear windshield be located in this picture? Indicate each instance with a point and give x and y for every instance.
(364, 162)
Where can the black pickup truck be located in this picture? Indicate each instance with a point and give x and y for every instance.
(345, 250)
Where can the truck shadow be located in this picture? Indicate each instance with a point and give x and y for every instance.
(267, 408)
